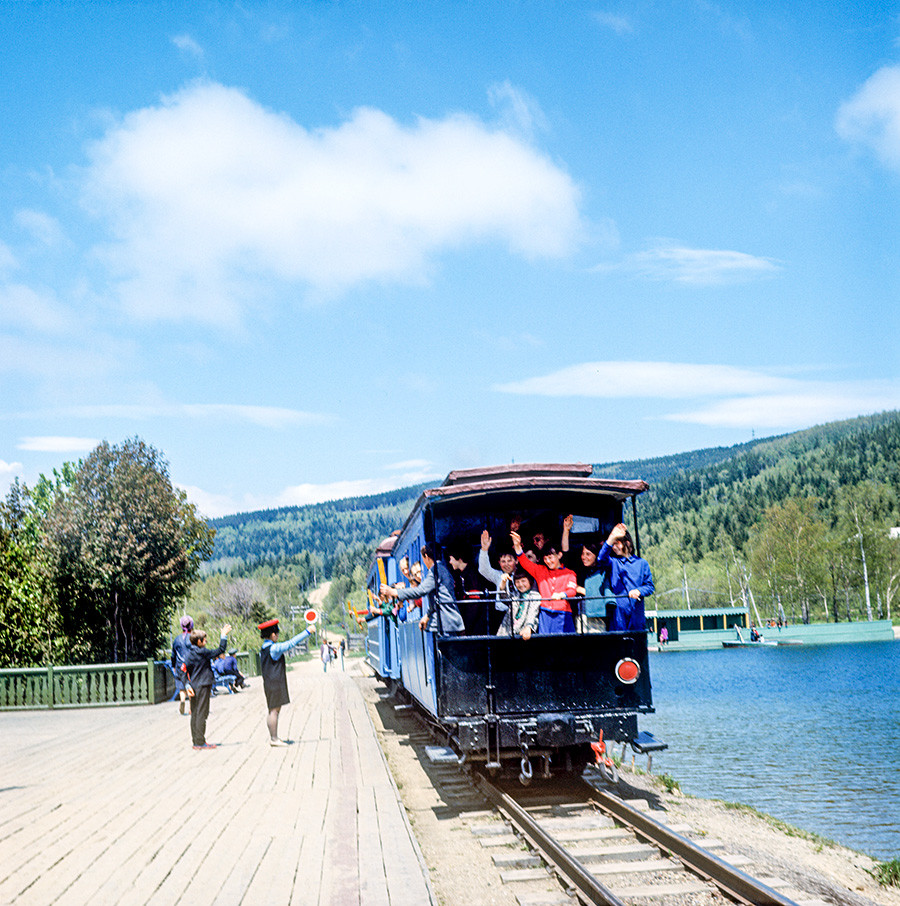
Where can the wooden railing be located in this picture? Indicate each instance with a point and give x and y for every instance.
(92, 685)
(78, 687)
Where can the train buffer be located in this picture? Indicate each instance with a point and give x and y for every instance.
(646, 744)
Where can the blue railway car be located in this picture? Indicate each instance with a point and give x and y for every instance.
(502, 700)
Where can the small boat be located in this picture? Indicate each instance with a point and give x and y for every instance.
(741, 642)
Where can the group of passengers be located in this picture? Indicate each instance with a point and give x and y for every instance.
(535, 590)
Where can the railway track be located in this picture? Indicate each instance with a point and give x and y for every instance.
(561, 843)
(605, 851)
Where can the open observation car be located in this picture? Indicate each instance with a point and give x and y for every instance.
(503, 700)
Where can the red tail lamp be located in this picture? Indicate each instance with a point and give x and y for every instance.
(627, 671)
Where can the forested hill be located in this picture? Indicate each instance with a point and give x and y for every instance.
(325, 529)
(724, 498)
(703, 496)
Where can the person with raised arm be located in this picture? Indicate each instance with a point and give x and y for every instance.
(629, 579)
(441, 612)
(556, 584)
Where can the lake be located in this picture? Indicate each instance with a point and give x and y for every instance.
(806, 734)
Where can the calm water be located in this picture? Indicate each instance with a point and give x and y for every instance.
(807, 734)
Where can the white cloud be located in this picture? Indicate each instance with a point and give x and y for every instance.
(264, 416)
(872, 116)
(66, 363)
(519, 112)
(670, 380)
(57, 444)
(41, 226)
(209, 192)
(416, 473)
(696, 267)
(7, 259)
(619, 24)
(8, 471)
(737, 397)
(406, 465)
(812, 405)
(214, 505)
(24, 307)
(188, 45)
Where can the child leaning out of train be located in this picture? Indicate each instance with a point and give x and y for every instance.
(523, 607)
(629, 578)
(519, 618)
(556, 584)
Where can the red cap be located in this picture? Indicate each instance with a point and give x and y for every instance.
(269, 624)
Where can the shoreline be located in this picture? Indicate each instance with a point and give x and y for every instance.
(804, 857)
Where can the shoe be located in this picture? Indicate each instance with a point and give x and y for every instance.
(278, 742)
(181, 707)
(206, 745)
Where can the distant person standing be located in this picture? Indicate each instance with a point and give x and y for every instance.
(180, 648)
(325, 654)
(201, 681)
(274, 673)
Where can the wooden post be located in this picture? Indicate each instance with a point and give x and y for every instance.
(151, 681)
(49, 693)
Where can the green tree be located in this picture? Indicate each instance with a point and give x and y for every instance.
(124, 546)
(788, 554)
(864, 514)
(28, 618)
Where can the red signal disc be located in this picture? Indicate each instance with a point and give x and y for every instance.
(311, 616)
(628, 670)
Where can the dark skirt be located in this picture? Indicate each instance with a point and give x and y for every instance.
(276, 692)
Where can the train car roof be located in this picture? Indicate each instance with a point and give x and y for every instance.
(387, 545)
(532, 476)
(463, 484)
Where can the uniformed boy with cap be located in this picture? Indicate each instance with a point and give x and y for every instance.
(274, 673)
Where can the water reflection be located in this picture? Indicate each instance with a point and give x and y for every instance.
(807, 734)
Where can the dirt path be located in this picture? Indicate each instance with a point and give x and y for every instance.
(317, 595)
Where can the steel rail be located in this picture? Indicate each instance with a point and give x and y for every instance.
(732, 882)
(567, 865)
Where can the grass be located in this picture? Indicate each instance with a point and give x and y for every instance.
(669, 783)
(887, 874)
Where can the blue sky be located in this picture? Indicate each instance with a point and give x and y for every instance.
(315, 249)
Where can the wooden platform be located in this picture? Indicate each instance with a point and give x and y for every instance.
(113, 806)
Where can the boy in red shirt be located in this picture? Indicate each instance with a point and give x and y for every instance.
(556, 585)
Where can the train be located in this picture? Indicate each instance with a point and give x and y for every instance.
(503, 703)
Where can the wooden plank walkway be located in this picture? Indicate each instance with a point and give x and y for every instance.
(113, 806)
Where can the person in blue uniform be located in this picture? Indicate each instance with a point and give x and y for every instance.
(180, 647)
(274, 673)
(226, 665)
(200, 682)
(629, 579)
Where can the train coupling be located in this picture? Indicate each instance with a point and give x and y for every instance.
(525, 770)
